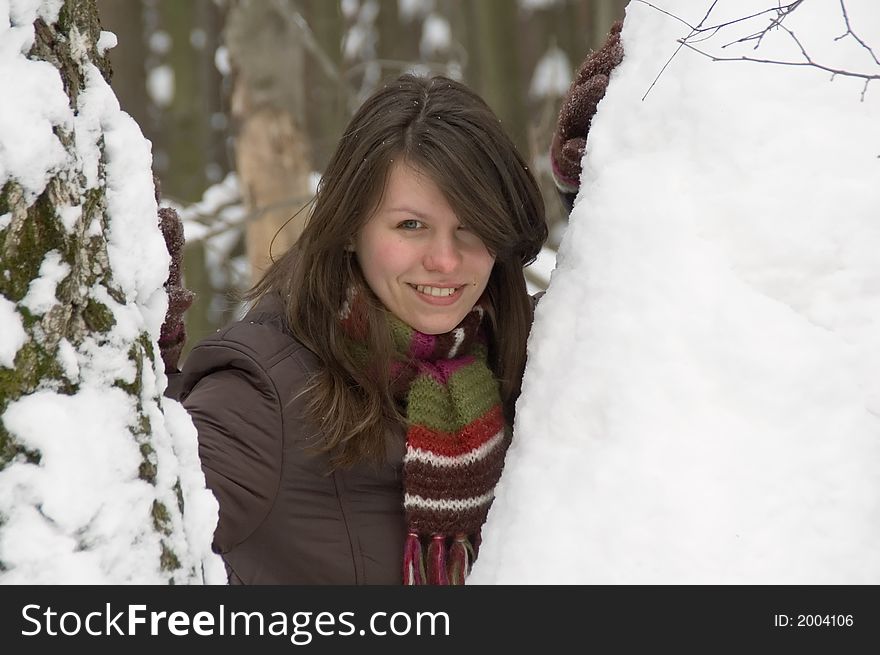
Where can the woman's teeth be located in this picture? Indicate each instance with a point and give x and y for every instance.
(436, 291)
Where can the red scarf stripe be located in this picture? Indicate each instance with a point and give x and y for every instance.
(454, 461)
(470, 437)
(473, 469)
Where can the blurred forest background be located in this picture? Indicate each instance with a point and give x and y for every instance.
(244, 101)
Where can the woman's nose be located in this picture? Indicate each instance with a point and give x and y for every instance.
(442, 255)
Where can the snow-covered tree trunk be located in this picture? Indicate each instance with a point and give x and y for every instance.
(701, 403)
(99, 475)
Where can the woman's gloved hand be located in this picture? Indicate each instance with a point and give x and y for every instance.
(578, 109)
(173, 333)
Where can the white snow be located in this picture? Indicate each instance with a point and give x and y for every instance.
(106, 42)
(541, 269)
(701, 402)
(160, 42)
(69, 215)
(25, 12)
(71, 489)
(536, 5)
(220, 205)
(411, 9)
(160, 85)
(84, 513)
(221, 60)
(216, 221)
(349, 8)
(40, 297)
(29, 151)
(68, 359)
(14, 336)
(552, 75)
(436, 36)
(198, 38)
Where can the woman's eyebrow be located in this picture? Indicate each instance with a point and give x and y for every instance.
(409, 210)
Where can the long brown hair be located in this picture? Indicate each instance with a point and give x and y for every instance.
(444, 129)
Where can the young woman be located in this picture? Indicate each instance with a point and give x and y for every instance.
(354, 424)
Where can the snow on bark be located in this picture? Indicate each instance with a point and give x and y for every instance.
(99, 474)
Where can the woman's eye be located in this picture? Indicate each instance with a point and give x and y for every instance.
(410, 224)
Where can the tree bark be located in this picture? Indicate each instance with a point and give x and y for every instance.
(66, 340)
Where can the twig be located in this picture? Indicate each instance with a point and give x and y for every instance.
(693, 31)
(834, 71)
(849, 32)
(700, 34)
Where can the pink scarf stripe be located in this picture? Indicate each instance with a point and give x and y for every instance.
(421, 346)
(443, 369)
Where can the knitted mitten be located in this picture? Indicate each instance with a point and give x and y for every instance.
(578, 109)
(173, 332)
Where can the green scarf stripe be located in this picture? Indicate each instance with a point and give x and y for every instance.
(401, 334)
(471, 393)
(474, 392)
(429, 405)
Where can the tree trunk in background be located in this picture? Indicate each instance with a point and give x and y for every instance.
(398, 41)
(272, 152)
(604, 14)
(125, 20)
(497, 56)
(87, 331)
(326, 110)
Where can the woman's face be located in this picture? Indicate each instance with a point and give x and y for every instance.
(426, 268)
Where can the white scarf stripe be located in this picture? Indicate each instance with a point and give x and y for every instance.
(427, 457)
(456, 505)
(459, 338)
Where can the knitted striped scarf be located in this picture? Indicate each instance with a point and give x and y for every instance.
(455, 445)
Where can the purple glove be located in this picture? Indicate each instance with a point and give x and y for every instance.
(173, 333)
(578, 109)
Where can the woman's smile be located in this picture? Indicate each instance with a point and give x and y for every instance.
(441, 296)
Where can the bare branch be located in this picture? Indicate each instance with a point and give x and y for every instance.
(663, 11)
(693, 31)
(758, 37)
(215, 224)
(701, 34)
(849, 32)
(781, 11)
(812, 64)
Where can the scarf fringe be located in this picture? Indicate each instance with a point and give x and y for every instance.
(445, 566)
(461, 555)
(437, 561)
(413, 565)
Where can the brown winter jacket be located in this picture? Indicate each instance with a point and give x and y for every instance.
(283, 519)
